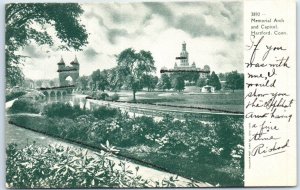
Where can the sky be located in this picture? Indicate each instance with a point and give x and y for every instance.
(213, 32)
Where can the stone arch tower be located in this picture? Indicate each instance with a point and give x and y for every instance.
(66, 71)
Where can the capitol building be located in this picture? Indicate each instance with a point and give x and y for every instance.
(183, 64)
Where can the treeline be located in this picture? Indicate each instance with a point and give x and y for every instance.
(231, 81)
(136, 70)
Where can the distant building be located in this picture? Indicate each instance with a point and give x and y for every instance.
(208, 88)
(185, 66)
(68, 71)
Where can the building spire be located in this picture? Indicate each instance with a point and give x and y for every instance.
(183, 46)
(61, 60)
(75, 60)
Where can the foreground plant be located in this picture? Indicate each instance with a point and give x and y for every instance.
(60, 167)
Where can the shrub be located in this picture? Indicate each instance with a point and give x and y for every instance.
(114, 97)
(104, 112)
(50, 167)
(103, 96)
(24, 106)
(59, 109)
(13, 95)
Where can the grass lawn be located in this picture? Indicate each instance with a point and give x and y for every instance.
(228, 100)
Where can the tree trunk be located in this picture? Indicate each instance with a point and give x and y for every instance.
(134, 100)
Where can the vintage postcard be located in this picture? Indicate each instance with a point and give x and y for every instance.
(150, 94)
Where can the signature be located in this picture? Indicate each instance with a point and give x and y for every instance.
(262, 149)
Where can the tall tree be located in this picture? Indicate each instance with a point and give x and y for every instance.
(103, 82)
(133, 65)
(29, 23)
(213, 80)
(149, 81)
(166, 82)
(178, 84)
(201, 82)
(234, 81)
(83, 82)
(96, 75)
(115, 81)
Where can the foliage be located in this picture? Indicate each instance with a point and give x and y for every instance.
(165, 82)
(14, 94)
(59, 167)
(234, 81)
(104, 112)
(188, 76)
(201, 82)
(25, 23)
(132, 66)
(24, 106)
(178, 84)
(59, 109)
(149, 81)
(214, 149)
(83, 82)
(213, 80)
(114, 97)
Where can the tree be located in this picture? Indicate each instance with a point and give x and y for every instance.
(103, 83)
(114, 80)
(83, 82)
(149, 81)
(95, 78)
(213, 80)
(201, 82)
(27, 23)
(166, 82)
(234, 80)
(222, 76)
(133, 65)
(178, 84)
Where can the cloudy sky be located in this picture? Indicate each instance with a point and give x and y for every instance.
(212, 31)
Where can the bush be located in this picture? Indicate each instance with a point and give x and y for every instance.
(50, 167)
(59, 109)
(114, 97)
(24, 106)
(103, 96)
(13, 95)
(104, 112)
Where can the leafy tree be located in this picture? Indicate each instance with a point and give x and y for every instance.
(234, 80)
(213, 80)
(150, 81)
(22, 20)
(222, 76)
(103, 83)
(96, 75)
(83, 82)
(166, 82)
(38, 83)
(115, 81)
(133, 65)
(201, 82)
(178, 84)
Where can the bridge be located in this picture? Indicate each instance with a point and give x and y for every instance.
(57, 92)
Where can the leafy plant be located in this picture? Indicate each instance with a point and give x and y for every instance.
(25, 105)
